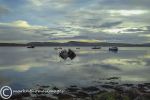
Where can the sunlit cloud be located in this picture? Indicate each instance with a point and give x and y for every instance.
(53, 4)
(127, 12)
(125, 30)
(113, 30)
(60, 34)
(22, 24)
(79, 40)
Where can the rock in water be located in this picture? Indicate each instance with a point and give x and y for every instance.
(63, 54)
(71, 54)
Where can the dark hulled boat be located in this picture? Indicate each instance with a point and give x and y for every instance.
(71, 54)
(64, 54)
(113, 49)
(96, 48)
(31, 46)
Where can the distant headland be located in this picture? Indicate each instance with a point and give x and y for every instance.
(76, 43)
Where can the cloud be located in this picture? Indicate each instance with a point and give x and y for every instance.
(20, 30)
(52, 4)
(125, 4)
(22, 24)
(110, 24)
(127, 12)
(4, 10)
(125, 30)
(103, 20)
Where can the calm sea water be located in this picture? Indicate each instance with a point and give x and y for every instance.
(22, 67)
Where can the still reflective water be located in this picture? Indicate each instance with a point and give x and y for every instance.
(22, 67)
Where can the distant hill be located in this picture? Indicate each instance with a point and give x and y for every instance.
(12, 44)
(76, 43)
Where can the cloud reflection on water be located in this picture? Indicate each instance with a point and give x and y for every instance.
(43, 66)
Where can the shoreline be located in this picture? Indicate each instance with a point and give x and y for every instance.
(107, 91)
(75, 46)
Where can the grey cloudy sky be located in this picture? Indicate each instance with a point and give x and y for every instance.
(85, 20)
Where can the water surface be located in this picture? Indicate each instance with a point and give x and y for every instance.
(22, 67)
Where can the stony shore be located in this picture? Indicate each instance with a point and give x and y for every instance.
(107, 91)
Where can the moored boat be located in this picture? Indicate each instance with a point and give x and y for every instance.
(96, 47)
(77, 48)
(31, 46)
(71, 54)
(113, 49)
(63, 54)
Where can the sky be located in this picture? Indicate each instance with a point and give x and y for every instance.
(120, 21)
